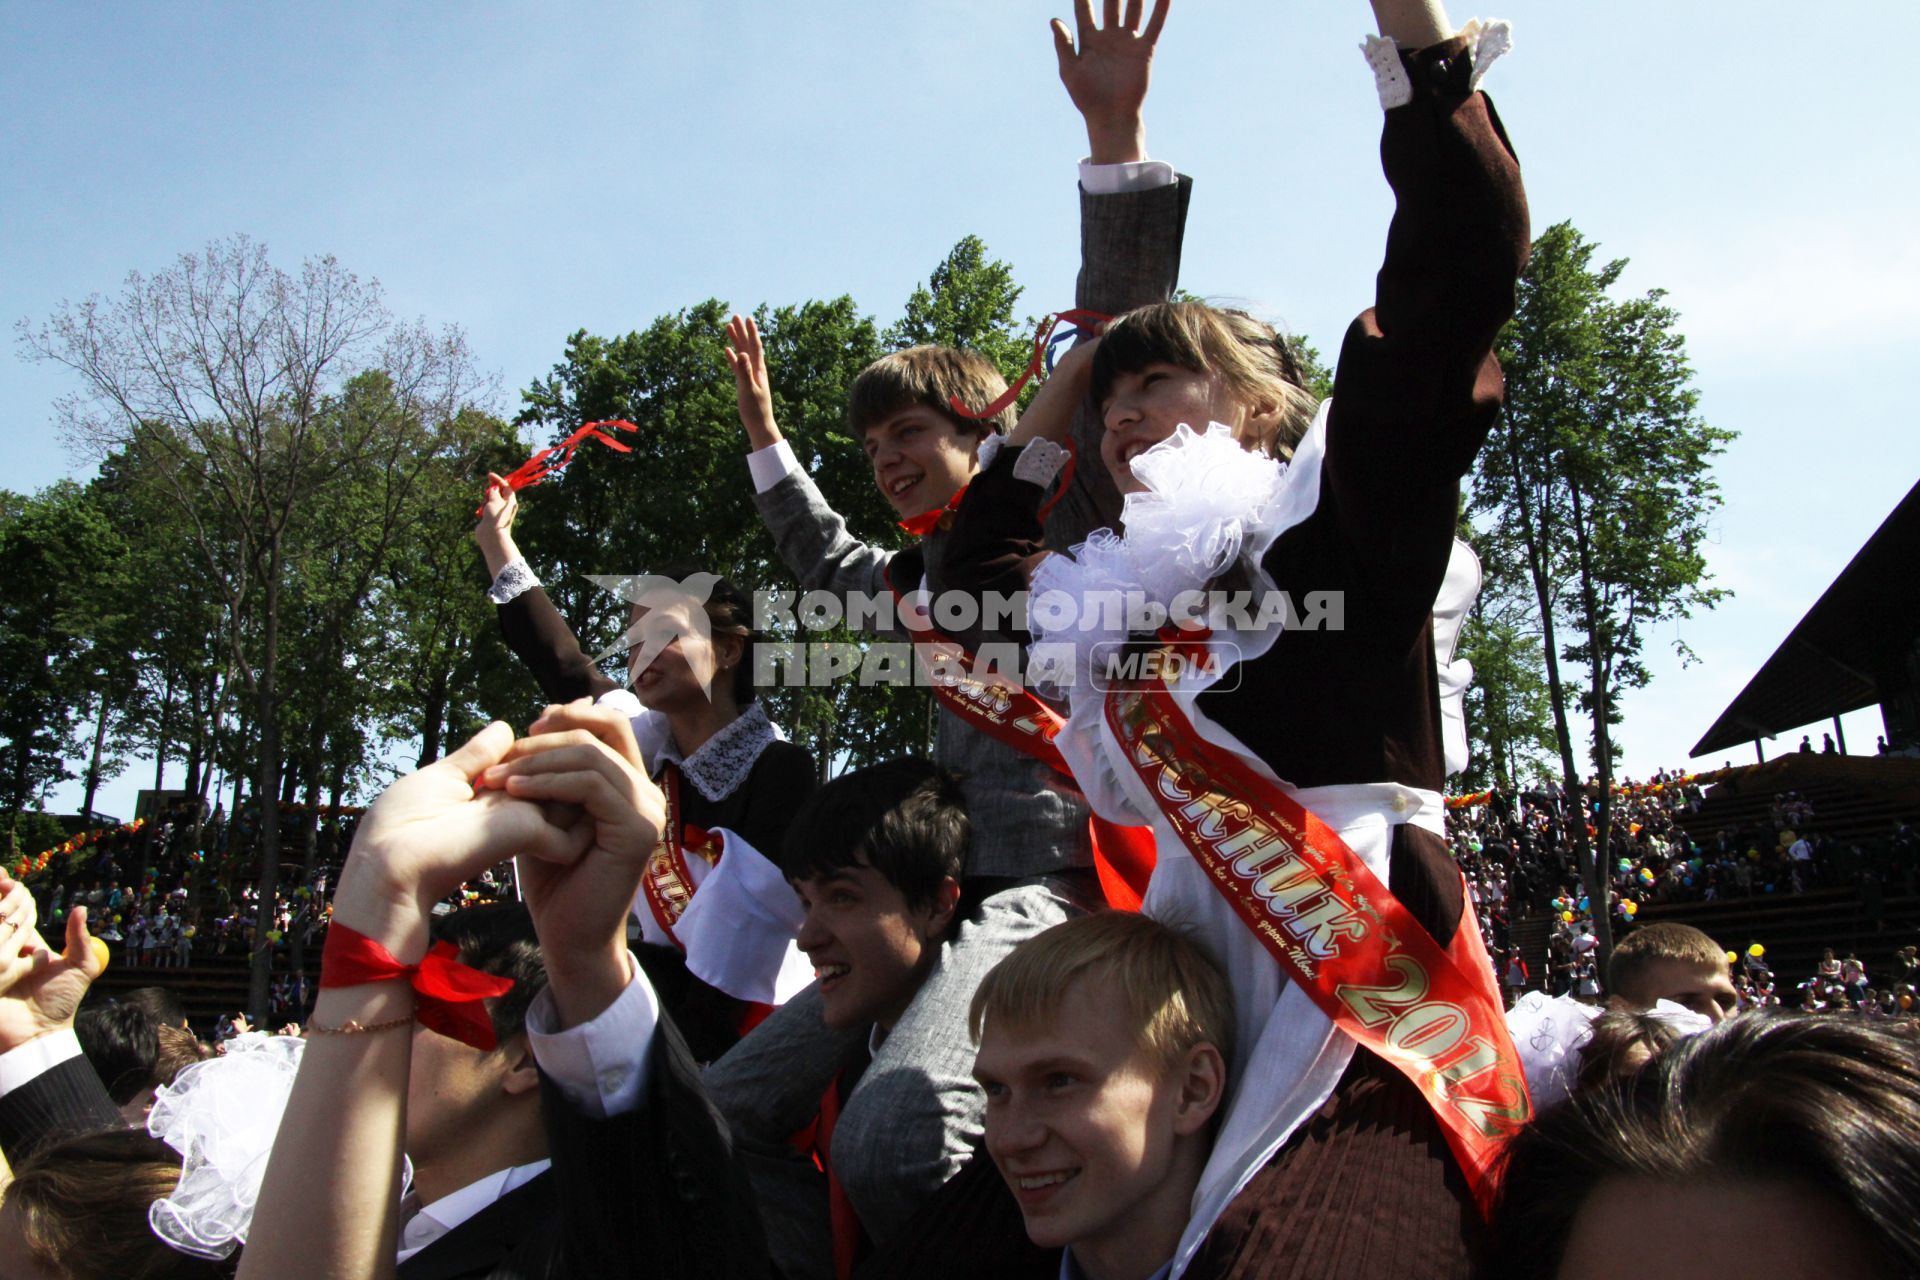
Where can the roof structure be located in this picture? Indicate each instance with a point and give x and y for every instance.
(1855, 638)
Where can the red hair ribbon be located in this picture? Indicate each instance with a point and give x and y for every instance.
(1043, 342)
(551, 459)
(450, 993)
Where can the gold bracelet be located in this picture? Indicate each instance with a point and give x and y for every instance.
(354, 1027)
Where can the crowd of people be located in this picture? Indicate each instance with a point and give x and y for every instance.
(1146, 973)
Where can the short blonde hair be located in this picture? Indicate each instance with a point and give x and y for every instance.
(1176, 996)
(1251, 359)
(931, 376)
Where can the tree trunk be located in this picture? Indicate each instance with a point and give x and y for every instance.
(267, 789)
(93, 763)
(1598, 647)
(165, 733)
(433, 716)
(1534, 531)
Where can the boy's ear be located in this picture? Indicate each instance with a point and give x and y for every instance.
(521, 1076)
(946, 901)
(1203, 1084)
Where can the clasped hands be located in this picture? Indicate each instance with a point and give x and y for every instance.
(571, 801)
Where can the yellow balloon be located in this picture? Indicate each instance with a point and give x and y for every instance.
(100, 952)
(1756, 951)
(1567, 916)
(1733, 957)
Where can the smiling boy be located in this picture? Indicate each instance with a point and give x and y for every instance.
(1103, 1045)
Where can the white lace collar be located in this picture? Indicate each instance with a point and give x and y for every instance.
(723, 761)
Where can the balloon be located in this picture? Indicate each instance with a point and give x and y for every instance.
(273, 935)
(1567, 917)
(1687, 881)
(1625, 865)
(1733, 957)
(1756, 951)
(100, 951)
(1630, 907)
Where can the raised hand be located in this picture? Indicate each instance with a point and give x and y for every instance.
(494, 532)
(1049, 415)
(1106, 75)
(748, 360)
(584, 756)
(43, 994)
(432, 830)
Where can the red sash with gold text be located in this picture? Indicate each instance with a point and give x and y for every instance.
(666, 882)
(1335, 929)
(1122, 856)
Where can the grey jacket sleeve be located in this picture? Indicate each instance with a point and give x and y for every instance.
(1129, 257)
(813, 540)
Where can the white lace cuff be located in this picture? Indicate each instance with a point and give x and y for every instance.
(1488, 39)
(990, 446)
(518, 577)
(1491, 38)
(1039, 462)
(1389, 76)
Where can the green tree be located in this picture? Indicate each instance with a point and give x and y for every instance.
(1601, 475)
(59, 546)
(235, 387)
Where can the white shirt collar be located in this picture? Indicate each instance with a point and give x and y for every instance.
(449, 1211)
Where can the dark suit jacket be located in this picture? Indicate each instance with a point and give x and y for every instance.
(65, 1100)
(654, 1193)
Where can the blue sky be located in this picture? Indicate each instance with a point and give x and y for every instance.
(526, 170)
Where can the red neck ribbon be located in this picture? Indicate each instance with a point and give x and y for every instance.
(927, 521)
(1043, 342)
(549, 460)
(450, 993)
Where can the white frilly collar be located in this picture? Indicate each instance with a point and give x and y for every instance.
(1207, 503)
(723, 761)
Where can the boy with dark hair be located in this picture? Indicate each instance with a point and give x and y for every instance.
(875, 858)
(1030, 860)
(1671, 961)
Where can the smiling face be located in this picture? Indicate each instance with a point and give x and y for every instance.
(1142, 408)
(681, 662)
(920, 458)
(1101, 1141)
(870, 948)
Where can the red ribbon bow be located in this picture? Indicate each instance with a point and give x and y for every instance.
(549, 460)
(450, 993)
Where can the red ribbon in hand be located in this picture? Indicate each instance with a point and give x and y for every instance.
(450, 993)
(551, 459)
(1042, 341)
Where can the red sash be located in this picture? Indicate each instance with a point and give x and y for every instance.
(1122, 856)
(666, 882)
(1335, 929)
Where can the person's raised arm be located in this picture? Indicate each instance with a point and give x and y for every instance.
(1413, 24)
(1049, 415)
(329, 1203)
(1133, 212)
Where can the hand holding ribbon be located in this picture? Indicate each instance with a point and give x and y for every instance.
(551, 459)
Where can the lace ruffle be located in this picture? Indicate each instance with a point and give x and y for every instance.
(222, 1115)
(723, 761)
(1490, 39)
(517, 578)
(1207, 502)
